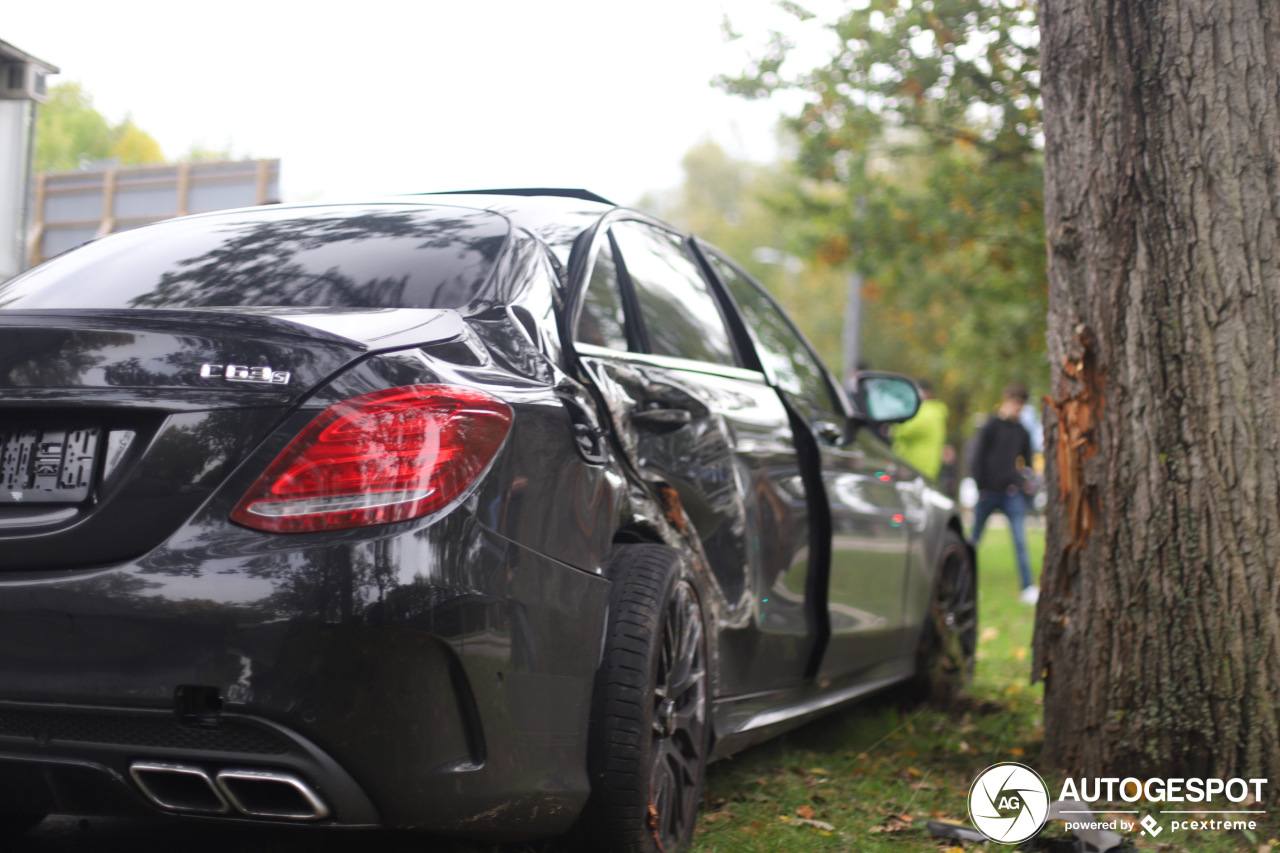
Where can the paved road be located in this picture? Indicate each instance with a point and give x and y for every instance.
(111, 835)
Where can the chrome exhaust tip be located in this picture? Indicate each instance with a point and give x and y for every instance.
(179, 787)
(271, 793)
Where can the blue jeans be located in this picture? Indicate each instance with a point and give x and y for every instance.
(1014, 506)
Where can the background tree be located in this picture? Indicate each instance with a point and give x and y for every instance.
(1158, 631)
(70, 131)
(919, 164)
(732, 204)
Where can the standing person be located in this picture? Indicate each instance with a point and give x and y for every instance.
(1002, 450)
(920, 440)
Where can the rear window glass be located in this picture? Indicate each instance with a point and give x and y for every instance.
(336, 257)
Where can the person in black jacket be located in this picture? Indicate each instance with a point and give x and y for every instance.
(1002, 450)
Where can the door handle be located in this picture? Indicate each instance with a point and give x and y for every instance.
(661, 420)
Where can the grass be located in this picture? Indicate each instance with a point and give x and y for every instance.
(870, 778)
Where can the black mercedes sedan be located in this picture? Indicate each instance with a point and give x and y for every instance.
(488, 514)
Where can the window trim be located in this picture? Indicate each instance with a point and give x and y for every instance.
(639, 341)
(674, 363)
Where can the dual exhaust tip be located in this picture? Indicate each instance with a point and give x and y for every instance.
(257, 793)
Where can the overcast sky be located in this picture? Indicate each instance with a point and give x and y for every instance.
(375, 96)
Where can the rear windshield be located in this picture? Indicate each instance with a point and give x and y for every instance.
(377, 256)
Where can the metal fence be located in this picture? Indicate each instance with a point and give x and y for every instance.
(71, 208)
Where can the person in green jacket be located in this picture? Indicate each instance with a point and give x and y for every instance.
(920, 440)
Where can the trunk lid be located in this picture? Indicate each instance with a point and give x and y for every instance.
(116, 425)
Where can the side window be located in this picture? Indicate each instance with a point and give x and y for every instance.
(779, 344)
(678, 311)
(602, 321)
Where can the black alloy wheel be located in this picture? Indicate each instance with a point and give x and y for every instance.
(649, 727)
(950, 636)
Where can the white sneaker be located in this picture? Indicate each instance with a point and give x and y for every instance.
(1031, 595)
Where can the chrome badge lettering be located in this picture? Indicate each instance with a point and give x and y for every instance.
(244, 373)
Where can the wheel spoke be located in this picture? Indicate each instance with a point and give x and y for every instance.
(689, 670)
(673, 785)
(680, 717)
(960, 583)
(691, 718)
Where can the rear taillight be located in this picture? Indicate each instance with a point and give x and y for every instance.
(387, 456)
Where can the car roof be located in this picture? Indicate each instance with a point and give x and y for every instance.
(555, 216)
(557, 219)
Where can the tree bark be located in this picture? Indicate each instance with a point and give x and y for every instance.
(1158, 628)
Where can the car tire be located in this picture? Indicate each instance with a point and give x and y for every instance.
(944, 659)
(14, 826)
(650, 728)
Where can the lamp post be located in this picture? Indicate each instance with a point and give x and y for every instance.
(850, 337)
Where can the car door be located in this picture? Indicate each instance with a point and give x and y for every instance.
(651, 329)
(860, 535)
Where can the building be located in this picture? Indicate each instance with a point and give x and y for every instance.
(22, 86)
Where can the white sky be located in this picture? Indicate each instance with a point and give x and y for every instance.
(377, 96)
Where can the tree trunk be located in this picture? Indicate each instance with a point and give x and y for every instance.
(1158, 629)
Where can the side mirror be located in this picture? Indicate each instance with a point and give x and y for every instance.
(887, 398)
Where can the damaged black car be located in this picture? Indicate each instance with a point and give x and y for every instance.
(487, 514)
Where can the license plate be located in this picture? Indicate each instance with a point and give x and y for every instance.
(41, 465)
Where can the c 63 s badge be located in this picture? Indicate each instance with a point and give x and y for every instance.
(244, 373)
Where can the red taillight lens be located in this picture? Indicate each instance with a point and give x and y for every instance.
(387, 456)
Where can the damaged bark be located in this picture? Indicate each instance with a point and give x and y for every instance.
(1158, 628)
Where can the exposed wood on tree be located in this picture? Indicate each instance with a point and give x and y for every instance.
(1076, 414)
(1158, 630)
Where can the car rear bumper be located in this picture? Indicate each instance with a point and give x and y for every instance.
(439, 678)
(86, 760)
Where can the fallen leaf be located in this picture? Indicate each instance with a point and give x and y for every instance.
(1017, 750)
(712, 817)
(963, 747)
(988, 633)
(818, 771)
(805, 812)
(816, 824)
(911, 771)
(895, 823)
(1020, 653)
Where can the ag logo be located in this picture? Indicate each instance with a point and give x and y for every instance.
(1008, 802)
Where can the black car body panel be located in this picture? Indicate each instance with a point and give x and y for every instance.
(435, 672)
